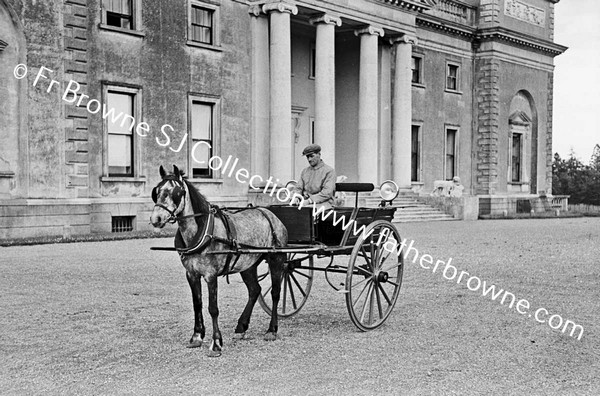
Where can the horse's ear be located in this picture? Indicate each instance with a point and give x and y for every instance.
(176, 171)
(162, 172)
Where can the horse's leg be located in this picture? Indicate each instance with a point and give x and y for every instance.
(250, 278)
(276, 262)
(217, 342)
(196, 286)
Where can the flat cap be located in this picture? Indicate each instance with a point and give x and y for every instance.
(311, 148)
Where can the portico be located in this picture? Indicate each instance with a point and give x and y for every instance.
(305, 91)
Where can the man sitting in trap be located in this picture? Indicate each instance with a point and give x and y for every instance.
(317, 181)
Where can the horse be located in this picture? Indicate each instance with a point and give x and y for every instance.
(203, 230)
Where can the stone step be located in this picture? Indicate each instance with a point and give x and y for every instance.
(421, 219)
(410, 210)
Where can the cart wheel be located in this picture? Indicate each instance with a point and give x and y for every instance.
(374, 275)
(295, 285)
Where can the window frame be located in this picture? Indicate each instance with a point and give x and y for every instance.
(216, 25)
(421, 74)
(521, 137)
(457, 78)
(215, 102)
(419, 127)
(456, 161)
(136, 19)
(136, 92)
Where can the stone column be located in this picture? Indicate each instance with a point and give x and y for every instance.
(325, 84)
(260, 92)
(368, 104)
(402, 111)
(280, 61)
(385, 113)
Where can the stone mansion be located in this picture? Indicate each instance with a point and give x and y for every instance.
(409, 90)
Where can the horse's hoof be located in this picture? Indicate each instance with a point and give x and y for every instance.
(239, 336)
(270, 336)
(194, 344)
(212, 353)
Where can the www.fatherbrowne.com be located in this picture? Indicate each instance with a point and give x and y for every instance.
(451, 273)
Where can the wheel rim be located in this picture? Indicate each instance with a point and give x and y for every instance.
(295, 285)
(374, 276)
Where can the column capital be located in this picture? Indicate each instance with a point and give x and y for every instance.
(375, 30)
(255, 10)
(403, 39)
(280, 6)
(326, 19)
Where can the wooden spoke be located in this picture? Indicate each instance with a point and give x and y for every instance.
(384, 294)
(378, 300)
(297, 284)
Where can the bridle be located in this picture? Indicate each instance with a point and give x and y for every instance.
(178, 195)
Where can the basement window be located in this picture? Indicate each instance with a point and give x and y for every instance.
(122, 223)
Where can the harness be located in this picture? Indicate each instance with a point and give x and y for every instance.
(205, 235)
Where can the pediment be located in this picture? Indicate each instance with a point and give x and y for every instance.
(519, 118)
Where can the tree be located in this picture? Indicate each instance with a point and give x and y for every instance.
(572, 177)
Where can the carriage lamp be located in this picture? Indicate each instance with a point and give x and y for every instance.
(291, 185)
(388, 192)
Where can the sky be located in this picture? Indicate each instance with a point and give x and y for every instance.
(576, 118)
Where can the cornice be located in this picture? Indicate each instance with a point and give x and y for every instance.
(519, 39)
(435, 23)
(413, 5)
(3, 45)
(490, 34)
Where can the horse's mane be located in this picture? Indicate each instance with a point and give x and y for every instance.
(199, 202)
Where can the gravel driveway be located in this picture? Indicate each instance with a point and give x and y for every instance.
(114, 318)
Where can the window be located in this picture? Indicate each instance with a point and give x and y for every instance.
(417, 70)
(451, 145)
(451, 77)
(517, 141)
(120, 142)
(119, 13)
(122, 223)
(203, 127)
(415, 162)
(120, 135)
(203, 24)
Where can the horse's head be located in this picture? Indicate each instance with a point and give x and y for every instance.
(168, 197)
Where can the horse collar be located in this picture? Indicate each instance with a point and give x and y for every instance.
(200, 241)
